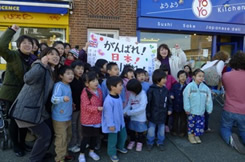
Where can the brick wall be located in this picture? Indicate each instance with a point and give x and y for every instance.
(102, 14)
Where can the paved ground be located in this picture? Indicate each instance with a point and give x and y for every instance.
(213, 149)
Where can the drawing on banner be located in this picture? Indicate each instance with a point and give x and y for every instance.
(122, 52)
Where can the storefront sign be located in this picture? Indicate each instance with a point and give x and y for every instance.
(122, 52)
(193, 26)
(227, 11)
(33, 18)
(37, 7)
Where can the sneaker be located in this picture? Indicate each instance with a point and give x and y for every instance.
(198, 140)
(131, 145)
(161, 147)
(191, 139)
(182, 134)
(139, 146)
(114, 158)
(81, 158)
(69, 158)
(94, 156)
(123, 150)
(149, 147)
(167, 130)
(235, 142)
(74, 149)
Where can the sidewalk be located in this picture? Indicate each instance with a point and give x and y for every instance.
(212, 149)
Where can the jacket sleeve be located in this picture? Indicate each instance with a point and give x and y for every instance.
(141, 107)
(57, 94)
(169, 103)
(186, 96)
(86, 104)
(148, 107)
(34, 74)
(4, 45)
(128, 106)
(108, 114)
(123, 94)
(209, 102)
(104, 89)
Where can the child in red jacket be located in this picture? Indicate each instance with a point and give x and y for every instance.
(91, 112)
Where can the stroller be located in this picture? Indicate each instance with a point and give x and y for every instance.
(5, 142)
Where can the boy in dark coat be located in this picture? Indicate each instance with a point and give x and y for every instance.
(158, 107)
(179, 116)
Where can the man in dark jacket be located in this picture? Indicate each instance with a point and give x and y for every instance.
(18, 63)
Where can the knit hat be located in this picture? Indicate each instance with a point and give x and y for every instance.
(74, 52)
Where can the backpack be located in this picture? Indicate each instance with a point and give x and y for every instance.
(211, 77)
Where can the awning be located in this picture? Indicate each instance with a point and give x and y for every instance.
(53, 7)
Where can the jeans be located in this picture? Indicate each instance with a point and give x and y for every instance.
(227, 121)
(44, 135)
(151, 133)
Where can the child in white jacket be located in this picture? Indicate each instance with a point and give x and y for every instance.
(197, 99)
(136, 109)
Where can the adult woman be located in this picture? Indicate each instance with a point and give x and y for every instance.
(43, 46)
(174, 61)
(18, 63)
(60, 47)
(29, 108)
(234, 111)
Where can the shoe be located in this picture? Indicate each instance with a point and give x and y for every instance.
(167, 130)
(139, 146)
(161, 147)
(74, 149)
(192, 139)
(173, 133)
(19, 153)
(149, 147)
(235, 143)
(208, 130)
(123, 150)
(94, 156)
(198, 140)
(131, 145)
(182, 134)
(69, 158)
(81, 158)
(114, 158)
(98, 146)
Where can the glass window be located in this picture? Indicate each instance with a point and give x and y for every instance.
(196, 47)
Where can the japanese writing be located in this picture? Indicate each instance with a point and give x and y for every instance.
(18, 16)
(169, 5)
(121, 48)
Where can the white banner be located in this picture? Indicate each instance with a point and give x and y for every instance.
(136, 54)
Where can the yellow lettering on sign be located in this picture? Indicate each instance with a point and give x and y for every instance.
(10, 8)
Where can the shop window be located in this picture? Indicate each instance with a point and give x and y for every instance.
(196, 47)
(105, 32)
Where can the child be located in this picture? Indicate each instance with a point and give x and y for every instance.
(126, 75)
(197, 99)
(179, 116)
(101, 66)
(136, 110)
(62, 113)
(140, 76)
(77, 86)
(188, 70)
(91, 112)
(71, 56)
(170, 79)
(113, 70)
(112, 118)
(158, 107)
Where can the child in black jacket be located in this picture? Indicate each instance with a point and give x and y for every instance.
(158, 107)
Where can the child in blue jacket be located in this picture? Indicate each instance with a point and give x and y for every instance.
(179, 116)
(197, 99)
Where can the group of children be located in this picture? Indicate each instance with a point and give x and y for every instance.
(98, 99)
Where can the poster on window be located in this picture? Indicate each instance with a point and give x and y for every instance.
(138, 55)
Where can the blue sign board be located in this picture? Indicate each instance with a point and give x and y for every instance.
(186, 25)
(224, 11)
(38, 7)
